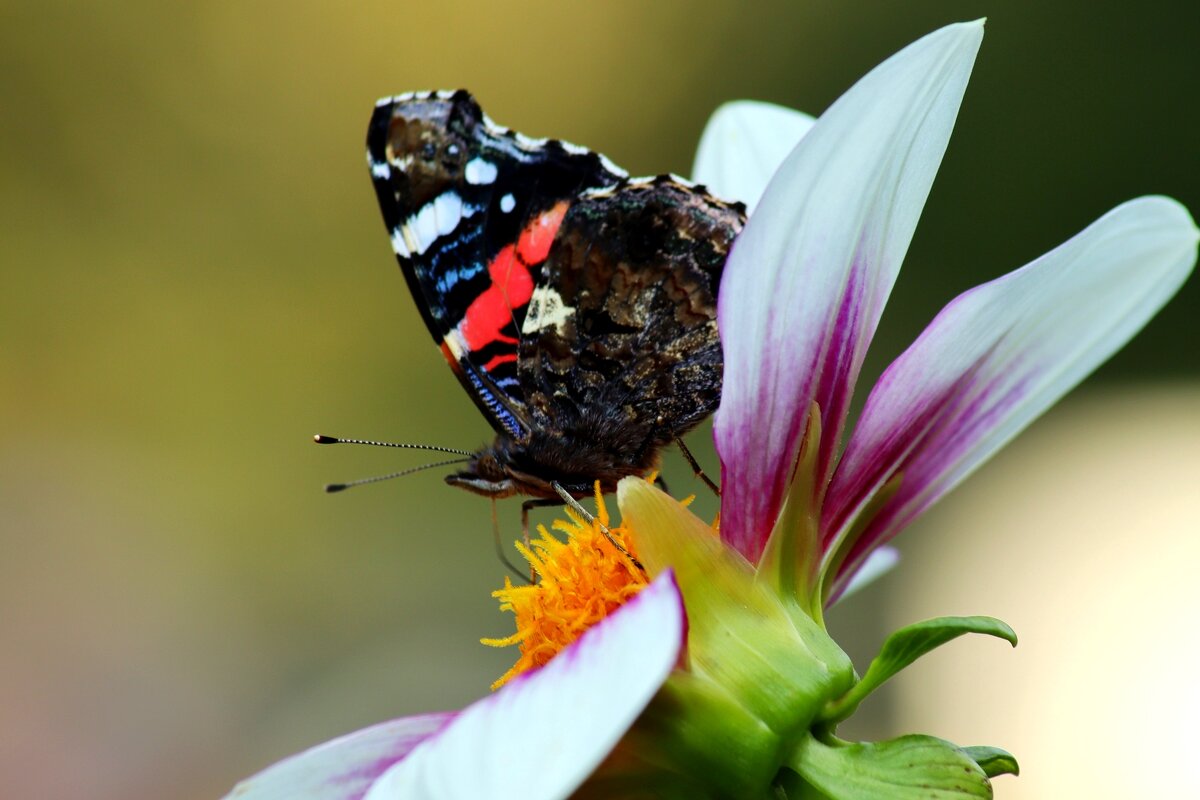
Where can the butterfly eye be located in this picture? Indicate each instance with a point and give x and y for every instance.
(428, 151)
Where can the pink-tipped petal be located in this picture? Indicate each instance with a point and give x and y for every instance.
(541, 735)
(998, 356)
(808, 277)
(743, 144)
(344, 768)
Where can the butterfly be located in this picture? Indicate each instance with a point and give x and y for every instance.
(577, 306)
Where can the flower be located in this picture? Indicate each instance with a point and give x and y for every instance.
(718, 678)
(806, 283)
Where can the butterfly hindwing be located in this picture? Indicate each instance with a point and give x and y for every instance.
(620, 338)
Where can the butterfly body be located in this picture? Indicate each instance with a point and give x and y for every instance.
(577, 306)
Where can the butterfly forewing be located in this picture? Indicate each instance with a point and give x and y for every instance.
(471, 210)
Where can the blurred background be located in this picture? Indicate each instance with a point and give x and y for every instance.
(195, 280)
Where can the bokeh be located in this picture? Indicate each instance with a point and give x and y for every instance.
(195, 280)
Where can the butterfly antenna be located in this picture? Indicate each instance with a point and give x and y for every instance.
(322, 439)
(339, 487)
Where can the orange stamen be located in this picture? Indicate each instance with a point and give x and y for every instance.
(580, 581)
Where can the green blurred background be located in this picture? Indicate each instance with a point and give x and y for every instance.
(196, 280)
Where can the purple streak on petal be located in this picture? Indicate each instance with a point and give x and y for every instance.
(852, 330)
(806, 281)
(779, 420)
(998, 356)
(954, 433)
(343, 768)
(358, 779)
(927, 438)
(862, 473)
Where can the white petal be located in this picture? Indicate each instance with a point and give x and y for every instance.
(341, 769)
(880, 562)
(807, 279)
(1002, 353)
(541, 735)
(743, 144)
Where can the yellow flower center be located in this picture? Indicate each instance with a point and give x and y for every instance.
(580, 581)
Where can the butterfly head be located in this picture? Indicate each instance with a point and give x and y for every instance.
(486, 475)
(509, 467)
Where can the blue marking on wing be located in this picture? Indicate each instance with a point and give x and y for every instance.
(461, 256)
(451, 277)
(497, 409)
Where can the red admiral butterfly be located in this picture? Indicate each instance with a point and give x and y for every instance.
(576, 305)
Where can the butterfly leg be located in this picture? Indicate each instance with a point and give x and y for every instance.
(691, 459)
(568, 500)
(662, 484)
(504, 559)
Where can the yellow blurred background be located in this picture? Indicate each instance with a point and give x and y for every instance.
(195, 280)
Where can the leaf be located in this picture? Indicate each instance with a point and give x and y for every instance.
(907, 645)
(993, 761)
(908, 768)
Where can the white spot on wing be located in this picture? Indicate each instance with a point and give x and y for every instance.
(508, 203)
(447, 211)
(439, 217)
(546, 309)
(454, 343)
(398, 243)
(480, 171)
(424, 226)
(381, 170)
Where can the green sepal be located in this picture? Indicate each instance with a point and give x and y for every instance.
(791, 558)
(907, 645)
(908, 768)
(994, 761)
(698, 736)
(778, 663)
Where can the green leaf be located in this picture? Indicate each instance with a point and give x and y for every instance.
(907, 645)
(994, 761)
(908, 768)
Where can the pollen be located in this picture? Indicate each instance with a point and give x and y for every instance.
(580, 580)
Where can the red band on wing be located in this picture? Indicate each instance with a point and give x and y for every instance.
(512, 284)
(495, 361)
(535, 241)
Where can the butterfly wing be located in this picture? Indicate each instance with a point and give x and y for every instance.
(620, 341)
(472, 210)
